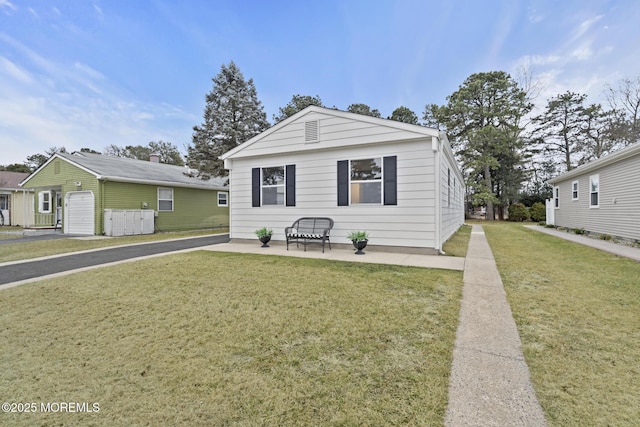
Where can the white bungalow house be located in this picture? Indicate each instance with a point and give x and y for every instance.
(601, 197)
(397, 181)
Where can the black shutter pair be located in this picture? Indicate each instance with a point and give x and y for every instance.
(389, 185)
(290, 186)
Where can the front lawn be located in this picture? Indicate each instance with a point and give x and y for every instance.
(207, 338)
(578, 313)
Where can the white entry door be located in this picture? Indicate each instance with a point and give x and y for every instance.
(79, 213)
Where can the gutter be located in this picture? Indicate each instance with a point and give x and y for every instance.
(165, 183)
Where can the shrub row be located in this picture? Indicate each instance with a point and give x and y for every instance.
(519, 212)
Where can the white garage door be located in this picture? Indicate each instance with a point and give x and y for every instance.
(79, 213)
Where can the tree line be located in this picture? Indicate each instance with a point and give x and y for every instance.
(507, 147)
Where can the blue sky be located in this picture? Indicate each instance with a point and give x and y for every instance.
(83, 73)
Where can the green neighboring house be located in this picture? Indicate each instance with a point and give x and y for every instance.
(80, 192)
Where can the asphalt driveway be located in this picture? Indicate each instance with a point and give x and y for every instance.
(25, 270)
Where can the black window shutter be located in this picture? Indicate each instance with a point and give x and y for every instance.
(255, 187)
(389, 165)
(343, 183)
(291, 185)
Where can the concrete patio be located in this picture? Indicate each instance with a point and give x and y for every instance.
(373, 256)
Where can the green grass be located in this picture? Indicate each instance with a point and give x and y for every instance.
(578, 313)
(19, 250)
(458, 243)
(207, 338)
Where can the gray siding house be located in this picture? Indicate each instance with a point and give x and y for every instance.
(400, 182)
(600, 197)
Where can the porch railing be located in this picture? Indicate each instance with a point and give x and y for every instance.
(45, 220)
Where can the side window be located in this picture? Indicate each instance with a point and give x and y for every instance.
(44, 202)
(594, 191)
(165, 199)
(223, 199)
(574, 190)
(556, 197)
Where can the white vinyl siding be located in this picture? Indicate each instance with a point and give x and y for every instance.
(334, 133)
(452, 196)
(410, 223)
(414, 219)
(618, 209)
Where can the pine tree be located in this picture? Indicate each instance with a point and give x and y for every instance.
(483, 120)
(232, 115)
(297, 103)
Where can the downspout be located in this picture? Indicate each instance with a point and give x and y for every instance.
(435, 147)
(101, 215)
(228, 165)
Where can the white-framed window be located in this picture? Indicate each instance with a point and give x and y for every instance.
(594, 191)
(44, 202)
(556, 197)
(165, 199)
(574, 190)
(366, 181)
(223, 199)
(273, 186)
(448, 187)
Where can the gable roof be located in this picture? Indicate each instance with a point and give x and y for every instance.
(625, 153)
(417, 130)
(11, 180)
(121, 169)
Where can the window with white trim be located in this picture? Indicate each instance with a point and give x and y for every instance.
(594, 191)
(574, 190)
(366, 181)
(448, 187)
(44, 202)
(273, 186)
(165, 199)
(223, 199)
(556, 197)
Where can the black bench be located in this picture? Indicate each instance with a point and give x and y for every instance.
(309, 230)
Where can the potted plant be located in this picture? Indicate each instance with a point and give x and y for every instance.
(359, 240)
(264, 235)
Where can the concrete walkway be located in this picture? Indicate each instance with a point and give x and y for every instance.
(371, 256)
(603, 245)
(489, 383)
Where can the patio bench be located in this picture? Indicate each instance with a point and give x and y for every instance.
(309, 230)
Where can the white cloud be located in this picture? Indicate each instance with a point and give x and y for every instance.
(12, 70)
(85, 69)
(529, 61)
(533, 15)
(584, 27)
(582, 53)
(7, 4)
(98, 10)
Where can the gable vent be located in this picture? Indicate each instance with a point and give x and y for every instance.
(311, 131)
